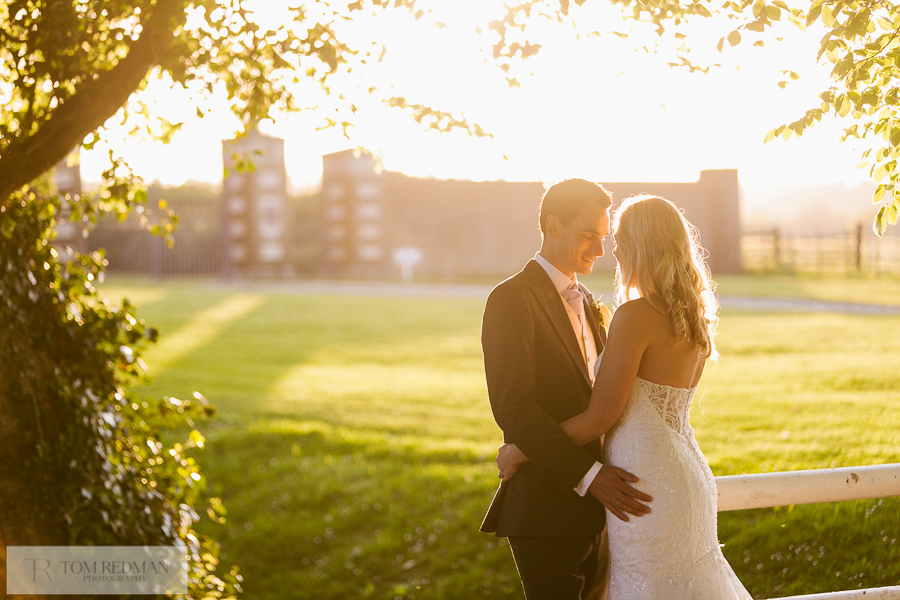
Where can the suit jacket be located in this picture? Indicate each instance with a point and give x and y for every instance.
(537, 378)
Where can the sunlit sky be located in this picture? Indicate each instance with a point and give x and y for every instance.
(593, 108)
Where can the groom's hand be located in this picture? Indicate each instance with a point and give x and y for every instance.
(610, 487)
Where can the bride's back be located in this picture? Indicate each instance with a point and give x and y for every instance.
(667, 360)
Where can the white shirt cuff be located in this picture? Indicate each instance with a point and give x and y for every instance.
(586, 481)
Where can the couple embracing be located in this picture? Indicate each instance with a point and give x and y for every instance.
(604, 492)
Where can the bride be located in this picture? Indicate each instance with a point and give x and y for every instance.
(659, 341)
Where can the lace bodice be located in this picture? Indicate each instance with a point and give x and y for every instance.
(673, 404)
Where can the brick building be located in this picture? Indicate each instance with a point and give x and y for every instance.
(467, 228)
(255, 206)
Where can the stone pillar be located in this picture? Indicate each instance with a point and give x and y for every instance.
(722, 235)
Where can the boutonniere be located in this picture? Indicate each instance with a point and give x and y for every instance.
(604, 316)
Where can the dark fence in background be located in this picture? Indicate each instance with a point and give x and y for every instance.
(857, 252)
(199, 248)
(197, 251)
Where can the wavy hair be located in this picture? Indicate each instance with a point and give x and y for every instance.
(660, 257)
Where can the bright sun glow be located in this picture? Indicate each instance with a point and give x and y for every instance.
(593, 108)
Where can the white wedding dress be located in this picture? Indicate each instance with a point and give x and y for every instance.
(673, 552)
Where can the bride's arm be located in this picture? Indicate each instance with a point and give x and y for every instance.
(628, 339)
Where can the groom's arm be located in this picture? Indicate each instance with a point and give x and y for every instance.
(508, 337)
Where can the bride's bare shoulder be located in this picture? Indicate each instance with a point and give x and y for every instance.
(638, 308)
(638, 315)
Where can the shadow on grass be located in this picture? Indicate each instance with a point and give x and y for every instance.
(321, 512)
(243, 363)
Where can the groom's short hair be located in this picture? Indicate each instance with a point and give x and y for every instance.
(566, 200)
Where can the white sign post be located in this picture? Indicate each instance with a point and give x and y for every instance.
(407, 257)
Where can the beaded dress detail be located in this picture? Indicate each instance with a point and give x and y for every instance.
(673, 553)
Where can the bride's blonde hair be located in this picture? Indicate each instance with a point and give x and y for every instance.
(660, 258)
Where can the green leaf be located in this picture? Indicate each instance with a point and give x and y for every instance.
(759, 8)
(842, 67)
(734, 38)
(843, 106)
(827, 16)
(758, 25)
(891, 211)
(880, 225)
(895, 137)
(814, 12)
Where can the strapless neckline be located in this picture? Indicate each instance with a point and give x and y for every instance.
(674, 387)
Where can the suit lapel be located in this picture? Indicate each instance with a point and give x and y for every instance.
(549, 300)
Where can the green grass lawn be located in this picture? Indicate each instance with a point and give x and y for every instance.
(354, 443)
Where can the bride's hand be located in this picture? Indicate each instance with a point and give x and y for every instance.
(509, 459)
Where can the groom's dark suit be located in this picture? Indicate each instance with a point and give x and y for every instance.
(537, 378)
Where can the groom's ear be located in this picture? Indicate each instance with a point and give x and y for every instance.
(553, 225)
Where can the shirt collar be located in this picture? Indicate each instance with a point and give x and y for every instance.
(560, 280)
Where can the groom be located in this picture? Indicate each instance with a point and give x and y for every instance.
(541, 338)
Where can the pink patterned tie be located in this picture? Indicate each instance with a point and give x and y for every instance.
(573, 296)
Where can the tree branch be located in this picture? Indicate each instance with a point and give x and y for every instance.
(88, 108)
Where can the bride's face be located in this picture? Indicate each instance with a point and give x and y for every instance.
(621, 263)
(626, 269)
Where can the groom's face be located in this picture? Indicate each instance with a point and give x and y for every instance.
(580, 242)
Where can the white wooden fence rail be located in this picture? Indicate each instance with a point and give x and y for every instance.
(762, 490)
(886, 593)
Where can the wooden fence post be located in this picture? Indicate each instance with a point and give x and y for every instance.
(776, 252)
(859, 242)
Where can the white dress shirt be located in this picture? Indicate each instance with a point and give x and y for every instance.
(586, 341)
